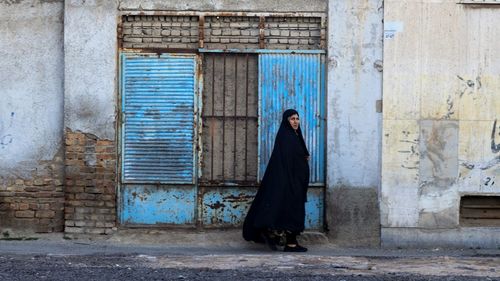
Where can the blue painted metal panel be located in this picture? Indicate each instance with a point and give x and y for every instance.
(315, 208)
(227, 206)
(158, 204)
(293, 81)
(158, 96)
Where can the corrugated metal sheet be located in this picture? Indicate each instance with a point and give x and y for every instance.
(158, 95)
(293, 81)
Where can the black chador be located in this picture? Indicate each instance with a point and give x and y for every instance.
(279, 203)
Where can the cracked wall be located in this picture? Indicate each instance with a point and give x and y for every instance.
(354, 123)
(441, 106)
(31, 116)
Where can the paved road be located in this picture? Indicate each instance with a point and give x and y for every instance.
(139, 267)
(129, 259)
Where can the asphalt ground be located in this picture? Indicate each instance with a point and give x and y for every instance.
(223, 255)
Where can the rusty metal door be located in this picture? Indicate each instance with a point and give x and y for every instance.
(159, 97)
(295, 81)
(228, 179)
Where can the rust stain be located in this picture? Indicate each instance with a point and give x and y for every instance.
(216, 205)
(238, 198)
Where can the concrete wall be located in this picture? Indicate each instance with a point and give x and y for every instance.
(354, 126)
(31, 85)
(90, 55)
(441, 102)
(31, 117)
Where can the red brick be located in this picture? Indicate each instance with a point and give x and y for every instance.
(25, 214)
(94, 204)
(43, 206)
(23, 206)
(105, 197)
(6, 194)
(45, 214)
(44, 194)
(84, 196)
(73, 229)
(94, 190)
(74, 203)
(74, 189)
(83, 210)
(57, 206)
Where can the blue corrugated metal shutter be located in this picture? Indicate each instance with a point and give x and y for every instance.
(158, 95)
(293, 81)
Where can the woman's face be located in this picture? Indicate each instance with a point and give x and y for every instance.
(294, 121)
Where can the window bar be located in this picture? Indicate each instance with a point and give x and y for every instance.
(246, 121)
(212, 121)
(235, 107)
(223, 114)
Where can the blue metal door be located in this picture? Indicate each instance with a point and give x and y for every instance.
(159, 94)
(295, 81)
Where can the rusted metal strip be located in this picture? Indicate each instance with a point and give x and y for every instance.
(134, 12)
(224, 115)
(160, 50)
(246, 120)
(262, 26)
(212, 120)
(235, 112)
(201, 31)
(322, 40)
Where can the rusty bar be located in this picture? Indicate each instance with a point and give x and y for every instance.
(212, 123)
(120, 31)
(246, 121)
(262, 26)
(201, 31)
(231, 117)
(223, 115)
(134, 12)
(235, 113)
(261, 51)
(161, 50)
(322, 40)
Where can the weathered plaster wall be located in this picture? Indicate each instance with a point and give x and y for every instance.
(90, 44)
(31, 85)
(226, 5)
(31, 117)
(354, 125)
(441, 103)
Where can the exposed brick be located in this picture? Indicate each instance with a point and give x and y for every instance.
(45, 214)
(68, 229)
(25, 214)
(23, 206)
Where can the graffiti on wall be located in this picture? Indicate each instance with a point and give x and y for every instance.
(5, 137)
(488, 180)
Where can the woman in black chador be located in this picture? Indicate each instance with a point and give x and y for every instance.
(278, 208)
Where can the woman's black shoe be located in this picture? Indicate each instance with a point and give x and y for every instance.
(269, 241)
(296, 249)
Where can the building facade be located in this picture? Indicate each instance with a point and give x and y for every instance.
(163, 114)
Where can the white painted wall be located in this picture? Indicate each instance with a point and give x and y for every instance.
(90, 45)
(31, 85)
(441, 100)
(354, 86)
